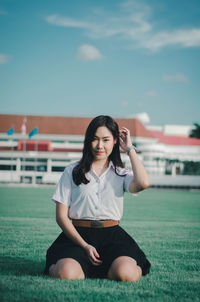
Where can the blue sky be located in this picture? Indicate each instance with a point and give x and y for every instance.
(85, 58)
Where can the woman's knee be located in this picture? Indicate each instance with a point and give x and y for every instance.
(67, 268)
(126, 273)
(125, 269)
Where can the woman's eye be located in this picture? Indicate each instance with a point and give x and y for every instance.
(106, 140)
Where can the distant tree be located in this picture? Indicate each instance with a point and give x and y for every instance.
(196, 131)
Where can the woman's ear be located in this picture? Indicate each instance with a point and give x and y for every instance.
(115, 140)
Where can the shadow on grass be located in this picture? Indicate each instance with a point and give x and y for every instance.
(21, 266)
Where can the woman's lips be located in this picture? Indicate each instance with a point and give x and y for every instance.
(99, 152)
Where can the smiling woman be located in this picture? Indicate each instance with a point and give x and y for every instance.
(90, 194)
(103, 143)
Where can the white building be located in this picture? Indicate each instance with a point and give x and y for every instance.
(170, 160)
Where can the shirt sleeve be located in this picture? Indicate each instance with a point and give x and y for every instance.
(127, 180)
(63, 189)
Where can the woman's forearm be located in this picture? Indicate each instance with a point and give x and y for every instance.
(141, 179)
(71, 232)
(65, 224)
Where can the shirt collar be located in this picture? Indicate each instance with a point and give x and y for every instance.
(111, 165)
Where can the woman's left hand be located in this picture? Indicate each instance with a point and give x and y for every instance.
(124, 139)
(93, 255)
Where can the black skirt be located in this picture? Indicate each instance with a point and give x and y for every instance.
(110, 243)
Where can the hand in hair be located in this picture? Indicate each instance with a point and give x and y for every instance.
(125, 139)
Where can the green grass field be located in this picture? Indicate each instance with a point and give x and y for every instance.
(166, 224)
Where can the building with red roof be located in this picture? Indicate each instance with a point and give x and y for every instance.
(59, 140)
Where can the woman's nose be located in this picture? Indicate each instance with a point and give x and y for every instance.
(100, 144)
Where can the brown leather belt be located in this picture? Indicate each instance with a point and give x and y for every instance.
(94, 223)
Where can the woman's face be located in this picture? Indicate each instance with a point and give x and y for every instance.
(103, 143)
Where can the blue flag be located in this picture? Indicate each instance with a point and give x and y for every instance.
(33, 132)
(10, 131)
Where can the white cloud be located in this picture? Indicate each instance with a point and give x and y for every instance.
(124, 103)
(151, 93)
(140, 104)
(4, 59)
(143, 117)
(131, 22)
(66, 22)
(181, 38)
(178, 77)
(89, 53)
(125, 26)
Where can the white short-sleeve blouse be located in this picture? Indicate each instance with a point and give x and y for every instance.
(100, 199)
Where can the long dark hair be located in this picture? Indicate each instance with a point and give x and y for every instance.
(85, 163)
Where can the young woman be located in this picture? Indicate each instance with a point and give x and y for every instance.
(89, 206)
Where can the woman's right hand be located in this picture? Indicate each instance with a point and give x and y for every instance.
(92, 254)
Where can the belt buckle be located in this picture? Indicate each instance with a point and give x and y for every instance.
(97, 224)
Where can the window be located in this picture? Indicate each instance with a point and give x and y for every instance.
(8, 158)
(8, 167)
(38, 179)
(27, 168)
(57, 169)
(42, 168)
